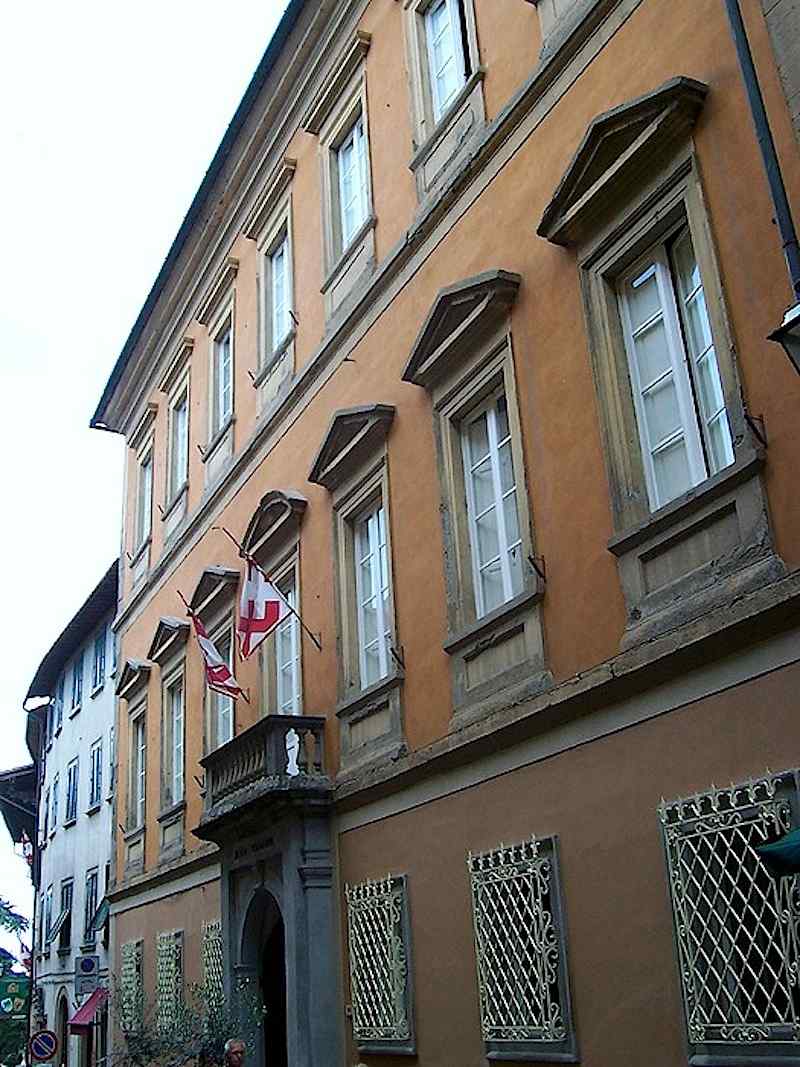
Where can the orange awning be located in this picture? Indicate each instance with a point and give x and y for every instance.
(83, 1018)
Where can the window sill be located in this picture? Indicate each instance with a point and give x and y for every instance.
(46, 954)
(676, 510)
(175, 500)
(347, 255)
(64, 952)
(94, 808)
(274, 358)
(57, 733)
(218, 438)
(74, 711)
(69, 822)
(431, 142)
(140, 551)
(481, 631)
(133, 835)
(88, 947)
(172, 812)
(358, 705)
(98, 689)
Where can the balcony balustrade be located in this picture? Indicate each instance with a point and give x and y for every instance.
(280, 758)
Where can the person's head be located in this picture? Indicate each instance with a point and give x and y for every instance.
(234, 1052)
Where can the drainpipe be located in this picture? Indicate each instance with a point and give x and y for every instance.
(783, 214)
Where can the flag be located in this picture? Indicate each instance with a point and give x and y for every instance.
(218, 674)
(27, 848)
(261, 609)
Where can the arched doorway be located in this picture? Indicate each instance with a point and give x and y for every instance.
(263, 955)
(62, 1030)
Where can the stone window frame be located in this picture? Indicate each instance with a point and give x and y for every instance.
(332, 114)
(171, 814)
(384, 905)
(142, 449)
(713, 541)
(761, 809)
(89, 932)
(221, 624)
(463, 353)
(71, 796)
(353, 464)
(439, 143)
(95, 775)
(284, 565)
(537, 861)
(217, 312)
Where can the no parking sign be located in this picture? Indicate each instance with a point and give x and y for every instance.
(43, 1046)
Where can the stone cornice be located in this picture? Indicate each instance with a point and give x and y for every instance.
(270, 198)
(352, 438)
(215, 295)
(336, 82)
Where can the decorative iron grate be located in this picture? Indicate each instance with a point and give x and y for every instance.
(518, 945)
(378, 961)
(736, 926)
(131, 987)
(213, 964)
(169, 978)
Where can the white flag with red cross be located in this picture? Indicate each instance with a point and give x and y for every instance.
(261, 610)
(219, 676)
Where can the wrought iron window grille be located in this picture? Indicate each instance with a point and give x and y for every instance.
(169, 978)
(213, 963)
(131, 987)
(379, 945)
(737, 928)
(521, 952)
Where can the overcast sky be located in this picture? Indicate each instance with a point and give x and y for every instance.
(109, 117)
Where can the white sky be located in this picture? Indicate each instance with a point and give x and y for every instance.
(109, 117)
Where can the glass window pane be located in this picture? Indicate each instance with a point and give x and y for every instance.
(501, 413)
(662, 411)
(369, 616)
(515, 566)
(506, 467)
(492, 586)
(652, 353)
(478, 439)
(483, 486)
(719, 442)
(372, 665)
(511, 518)
(643, 297)
(488, 539)
(671, 467)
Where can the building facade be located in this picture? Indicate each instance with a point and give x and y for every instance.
(71, 736)
(464, 340)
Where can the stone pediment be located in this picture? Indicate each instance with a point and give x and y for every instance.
(473, 306)
(618, 149)
(277, 517)
(134, 676)
(170, 635)
(353, 437)
(214, 581)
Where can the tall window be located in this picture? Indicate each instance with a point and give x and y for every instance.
(144, 499)
(287, 655)
(221, 706)
(111, 759)
(138, 771)
(677, 392)
(492, 505)
(47, 916)
(45, 815)
(351, 166)
(173, 741)
(99, 664)
(445, 35)
(89, 907)
(71, 812)
(222, 378)
(372, 591)
(63, 928)
(54, 820)
(279, 281)
(178, 443)
(96, 774)
(59, 703)
(77, 681)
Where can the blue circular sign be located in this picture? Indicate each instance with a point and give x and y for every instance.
(43, 1046)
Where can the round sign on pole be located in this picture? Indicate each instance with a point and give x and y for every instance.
(43, 1046)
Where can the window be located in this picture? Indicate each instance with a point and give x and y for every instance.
(178, 443)
(378, 932)
(372, 596)
(131, 986)
(287, 654)
(353, 182)
(99, 665)
(47, 915)
(111, 760)
(54, 820)
(59, 703)
(173, 741)
(138, 772)
(280, 291)
(96, 774)
(77, 682)
(737, 966)
(221, 706)
(492, 505)
(169, 978)
(521, 952)
(89, 908)
(50, 728)
(445, 37)
(62, 928)
(222, 378)
(45, 815)
(144, 500)
(677, 391)
(71, 813)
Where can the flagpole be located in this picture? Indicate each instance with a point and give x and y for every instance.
(246, 556)
(194, 618)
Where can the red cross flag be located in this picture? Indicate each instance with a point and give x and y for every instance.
(262, 608)
(219, 676)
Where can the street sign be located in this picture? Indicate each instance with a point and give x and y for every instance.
(86, 971)
(14, 996)
(43, 1046)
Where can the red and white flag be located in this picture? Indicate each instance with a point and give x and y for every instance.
(262, 608)
(27, 848)
(219, 676)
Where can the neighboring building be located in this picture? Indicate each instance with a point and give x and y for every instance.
(71, 739)
(464, 337)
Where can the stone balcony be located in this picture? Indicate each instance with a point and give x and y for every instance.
(277, 763)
